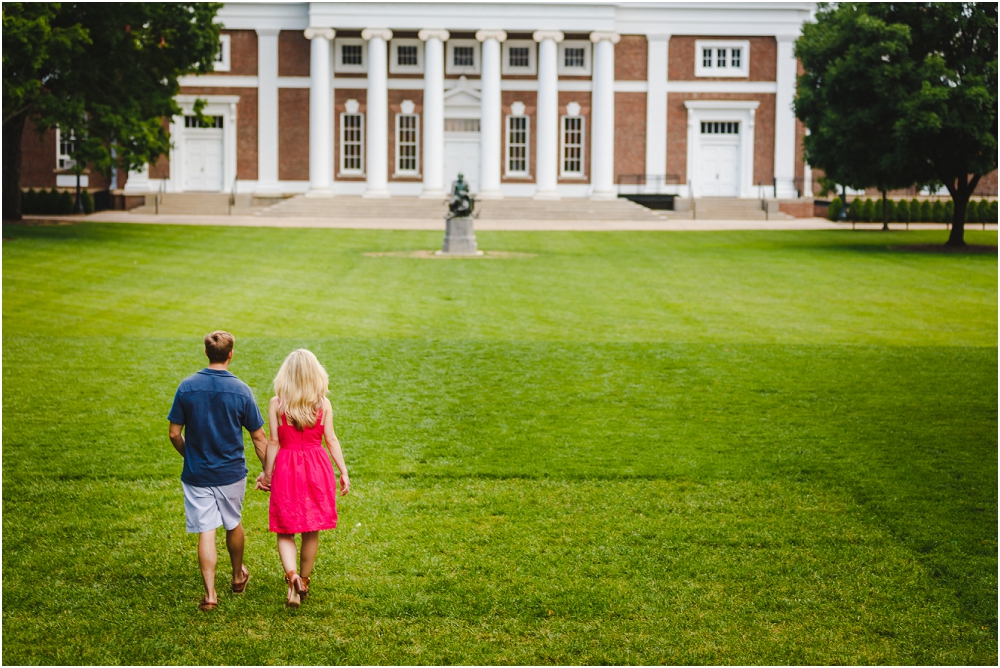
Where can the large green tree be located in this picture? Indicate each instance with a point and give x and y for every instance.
(105, 72)
(897, 94)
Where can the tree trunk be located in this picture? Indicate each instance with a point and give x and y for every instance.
(12, 132)
(960, 198)
(885, 214)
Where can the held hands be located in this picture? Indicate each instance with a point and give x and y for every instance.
(263, 483)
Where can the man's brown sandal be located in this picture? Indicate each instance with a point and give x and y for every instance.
(240, 587)
(207, 605)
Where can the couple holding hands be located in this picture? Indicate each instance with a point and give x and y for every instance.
(210, 410)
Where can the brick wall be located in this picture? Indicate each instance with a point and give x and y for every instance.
(38, 158)
(630, 134)
(340, 98)
(681, 57)
(530, 101)
(293, 134)
(800, 209)
(161, 168)
(987, 185)
(583, 99)
(293, 54)
(630, 58)
(763, 132)
(396, 98)
(242, 52)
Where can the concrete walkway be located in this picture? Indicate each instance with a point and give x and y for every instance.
(482, 225)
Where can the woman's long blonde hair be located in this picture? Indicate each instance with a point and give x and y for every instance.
(301, 385)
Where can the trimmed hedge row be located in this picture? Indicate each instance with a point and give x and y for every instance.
(912, 211)
(53, 203)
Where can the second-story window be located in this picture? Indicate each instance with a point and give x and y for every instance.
(464, 56)
(722, 58)
(519, 56)
(350, 54)
(573, 57)
(406, 55)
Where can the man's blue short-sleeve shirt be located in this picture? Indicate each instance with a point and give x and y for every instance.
(214, 406)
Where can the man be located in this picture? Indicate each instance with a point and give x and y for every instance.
(211, 408)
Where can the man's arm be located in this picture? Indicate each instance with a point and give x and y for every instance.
(177, 437)
(259, 439)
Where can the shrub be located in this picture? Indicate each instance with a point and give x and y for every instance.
(993, 212)
(65, 205)
(833, 211)
(855, 211)
(925, 211)
(877, 213)
(868, 213)
(28, 201)
(88, 201)
(50, 202)
(949, 211)
(915, 215)
(902, 211)
(937, 211)
(890, 207)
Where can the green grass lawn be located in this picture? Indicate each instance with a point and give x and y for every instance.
(759, 447)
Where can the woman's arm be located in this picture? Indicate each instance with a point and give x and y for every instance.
(272, 444)
(333, 444)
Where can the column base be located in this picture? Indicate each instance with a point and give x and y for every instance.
(267, 189)
(319, 193)
(546, 195)
(433, 194)
(489, 194)
(381, 193)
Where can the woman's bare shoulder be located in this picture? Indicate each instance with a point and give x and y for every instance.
(274, 402)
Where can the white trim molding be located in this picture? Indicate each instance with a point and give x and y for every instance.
(740, 111)
(722, 54)
(532, 66)
(338, 56)
(449, 59)
(395, 67)
(223, 59)
(574, 70)
(215, 105)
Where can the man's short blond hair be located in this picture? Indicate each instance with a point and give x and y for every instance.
(218, 345)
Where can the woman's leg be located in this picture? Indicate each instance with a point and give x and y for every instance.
(310, 546)
(286, 550)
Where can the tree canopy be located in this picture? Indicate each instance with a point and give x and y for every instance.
(105, 72)
(900, 94)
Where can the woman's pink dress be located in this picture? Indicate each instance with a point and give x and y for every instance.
(303, 486)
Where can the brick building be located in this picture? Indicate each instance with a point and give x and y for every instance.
(531, 100)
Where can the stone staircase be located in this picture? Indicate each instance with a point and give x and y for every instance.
(732, 208)
(355, 207)
(205, 204)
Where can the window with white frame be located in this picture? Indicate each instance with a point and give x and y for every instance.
(407, 140)
(720, 128)
(725, 58)
(574, 57)
(350, 55)
(406, 56)
(191, 121)
(518, 127)
(518, 57)
(352, 140)
(65, 145)
(222, 56)
(462, 56)
(572, 143)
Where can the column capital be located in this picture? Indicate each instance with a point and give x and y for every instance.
(786, 38)
(268, 32)
(313, 33)
(498, 35)
(372, 33)
(434, 33)
(542, 35)
(604, 35)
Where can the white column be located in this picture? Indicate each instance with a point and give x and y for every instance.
(807, 176)
(267, 110)
(656, 110)
(377, 118)
(602, 138)
(138, 183)
(490, 123)
(784, 118)
(547, 133)
(320, 113)
(433, 139)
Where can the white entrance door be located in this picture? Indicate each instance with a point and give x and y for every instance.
(461, 154)
(203, 163)
(719, 170)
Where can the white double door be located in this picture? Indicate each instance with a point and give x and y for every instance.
(720, 169)
(461, 155)
(203, 160)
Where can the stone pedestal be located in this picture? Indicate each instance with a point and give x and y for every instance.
(459, 238)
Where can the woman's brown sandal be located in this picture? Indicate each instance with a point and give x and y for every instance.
(294, 584)
(240, 587)
(207, 605)
(304, 589)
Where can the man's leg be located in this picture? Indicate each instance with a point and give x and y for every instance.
(207, 559)
(234, 543)
(310, 546)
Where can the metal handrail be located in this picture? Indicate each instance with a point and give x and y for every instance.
(159, 196)
(232, 197)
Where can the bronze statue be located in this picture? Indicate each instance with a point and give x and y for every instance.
(460, 203)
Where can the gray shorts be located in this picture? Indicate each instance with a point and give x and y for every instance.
(208, 508)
